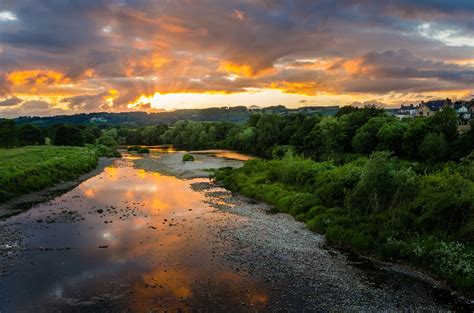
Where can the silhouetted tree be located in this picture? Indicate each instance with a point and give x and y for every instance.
(8, 134)
(31, 135)
(66, 135)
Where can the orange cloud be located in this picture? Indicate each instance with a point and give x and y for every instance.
(243, 69)
(154, 61)
(36, 78)
(354, 66)
(303, 88)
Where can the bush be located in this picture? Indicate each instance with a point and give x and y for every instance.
(31, 135)
(188, 157)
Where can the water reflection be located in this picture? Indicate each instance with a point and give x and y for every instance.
(227, 154)
(126, 239)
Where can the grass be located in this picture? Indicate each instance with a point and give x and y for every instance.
(27, 169)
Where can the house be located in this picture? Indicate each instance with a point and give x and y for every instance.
(410, 110)
(431, 107)
(462, 108)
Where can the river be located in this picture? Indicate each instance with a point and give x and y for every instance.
(139, 238)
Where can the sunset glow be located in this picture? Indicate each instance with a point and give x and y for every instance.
(152, 56)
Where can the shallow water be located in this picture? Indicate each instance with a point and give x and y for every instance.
(125, 239)
(132, 240)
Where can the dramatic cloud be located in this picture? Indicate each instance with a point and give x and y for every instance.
(115, 55)
(10, 102)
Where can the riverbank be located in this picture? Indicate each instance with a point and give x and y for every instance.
(171, 165)
(425, 221)
(32, 175)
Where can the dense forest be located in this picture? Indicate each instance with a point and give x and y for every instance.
(397, 189)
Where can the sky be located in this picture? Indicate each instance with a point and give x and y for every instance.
(66, 57)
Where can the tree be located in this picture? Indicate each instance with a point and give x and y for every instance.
(8, 134)
(413, 136)
(446, 122)
(66, 135)
(390, 136)
(31, 135)
(382, 185)
(89, 136)
(365, 141)
(434, 147)
(107, 141)
(346, 110)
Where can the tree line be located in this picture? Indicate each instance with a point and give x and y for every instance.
(353, 131)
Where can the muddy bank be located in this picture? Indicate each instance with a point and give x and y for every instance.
(24, 202)
(172, 164)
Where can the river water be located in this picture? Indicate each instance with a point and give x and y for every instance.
(130, 239)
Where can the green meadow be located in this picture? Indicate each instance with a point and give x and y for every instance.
(32, 168)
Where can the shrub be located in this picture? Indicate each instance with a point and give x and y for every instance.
(138, 149)
(188, 157)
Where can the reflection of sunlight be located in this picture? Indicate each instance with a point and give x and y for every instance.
(89, 193)
(160, 240)
(111, 173)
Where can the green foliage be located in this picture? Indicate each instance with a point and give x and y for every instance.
(138, 149)
(446, 122)
(377, 205)
(66, 135)
(104, 151)
(366, 138)
(390, 136)
(382, 185)
(434, 147)
(107, 141)
(8, 134)
(27, 169)
(30, 135)
(188, 158)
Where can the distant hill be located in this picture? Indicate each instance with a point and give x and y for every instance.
(231, 114)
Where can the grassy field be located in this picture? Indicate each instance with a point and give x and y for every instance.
(28, 169)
